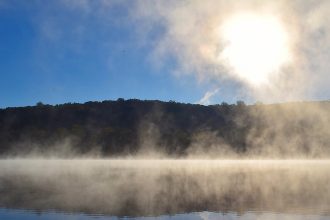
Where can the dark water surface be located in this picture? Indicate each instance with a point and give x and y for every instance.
(164, 189)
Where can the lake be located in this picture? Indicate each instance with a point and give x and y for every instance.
(164, 189)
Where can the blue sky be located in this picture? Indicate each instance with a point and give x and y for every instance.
(59, 51)
(56, 54)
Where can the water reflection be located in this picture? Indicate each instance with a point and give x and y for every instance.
(165, 188)
(19, 214)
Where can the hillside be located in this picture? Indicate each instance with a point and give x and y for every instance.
(130, 127)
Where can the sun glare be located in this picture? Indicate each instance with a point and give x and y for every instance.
(255, 47)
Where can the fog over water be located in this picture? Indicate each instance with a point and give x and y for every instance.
(278, 170)
(140, 188)
(145, 159)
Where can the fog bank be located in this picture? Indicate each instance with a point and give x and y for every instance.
(158, 187)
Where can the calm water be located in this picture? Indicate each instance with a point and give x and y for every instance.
(19, 214)
(164, 189)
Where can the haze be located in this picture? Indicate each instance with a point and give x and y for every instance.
(165, 108)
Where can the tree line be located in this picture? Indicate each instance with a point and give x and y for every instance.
(124, 127)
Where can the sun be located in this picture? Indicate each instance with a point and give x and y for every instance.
(255, 47)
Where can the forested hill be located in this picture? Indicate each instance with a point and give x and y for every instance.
(129, 127)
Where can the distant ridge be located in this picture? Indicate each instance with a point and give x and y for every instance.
(131, 127)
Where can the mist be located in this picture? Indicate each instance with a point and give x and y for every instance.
(260, 159)
(268, 157)
(191, 37)
(158, 187)
(161, 130)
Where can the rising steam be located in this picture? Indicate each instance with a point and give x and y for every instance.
(158, 187)
(191, 36)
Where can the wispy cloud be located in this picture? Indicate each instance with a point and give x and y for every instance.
(206, 99)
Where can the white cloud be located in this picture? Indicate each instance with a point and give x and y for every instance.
(206, 99)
